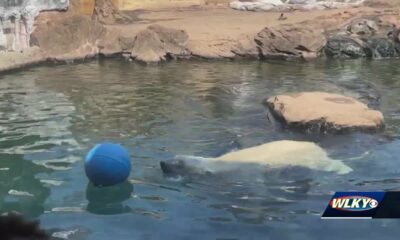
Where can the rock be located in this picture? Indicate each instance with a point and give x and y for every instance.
(174, 40)
(345, 47)
(273, 2)
(74, 37)
(158, 43)
(340, 4)
(105, 12)
(126, 43)
(251, 6)
(382, 48)
(324, 112)
(85, 7)
(274, 5)
(394, 34)
(311, 7)
(111, 43)
(301, 1)
(362, 27)
(363, 38)
(213, 49)
(14, 60)
(290, 42)
(77, 35)
(378, 3)
(260, 5)
(245, 46)
(148, 47)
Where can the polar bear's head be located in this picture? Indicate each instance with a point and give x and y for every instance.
(184, 165)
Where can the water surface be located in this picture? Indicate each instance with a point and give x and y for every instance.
(50, 116)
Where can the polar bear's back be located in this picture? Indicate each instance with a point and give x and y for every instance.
(282, 153)
(274, 154)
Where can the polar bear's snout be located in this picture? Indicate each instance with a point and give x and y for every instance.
(184, 165)
(173, 166)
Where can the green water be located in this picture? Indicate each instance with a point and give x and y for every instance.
(50, 116)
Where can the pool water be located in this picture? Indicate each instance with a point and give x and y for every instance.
(50, 116)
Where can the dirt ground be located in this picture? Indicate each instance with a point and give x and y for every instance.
(213, 23)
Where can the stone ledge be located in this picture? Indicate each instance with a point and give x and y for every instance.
(324, 112)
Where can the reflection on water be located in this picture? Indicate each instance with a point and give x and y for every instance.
(108, 200)
(50, 116)
(19, 190)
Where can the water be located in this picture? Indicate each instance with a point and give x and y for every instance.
(50, 116)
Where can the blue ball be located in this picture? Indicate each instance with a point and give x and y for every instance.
(107, 164)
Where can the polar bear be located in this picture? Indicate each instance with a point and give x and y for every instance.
(279, 154)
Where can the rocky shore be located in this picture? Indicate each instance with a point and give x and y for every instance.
(205, 32)
(209, 32)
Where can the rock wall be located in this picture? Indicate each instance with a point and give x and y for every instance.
(85, 7)
(17, 18)
(145, 4)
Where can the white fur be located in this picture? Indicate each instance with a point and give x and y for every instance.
(279, 154)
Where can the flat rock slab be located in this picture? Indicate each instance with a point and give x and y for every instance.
(324, 112)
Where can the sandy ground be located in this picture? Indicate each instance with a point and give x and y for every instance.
(222, 22)
(215, 31)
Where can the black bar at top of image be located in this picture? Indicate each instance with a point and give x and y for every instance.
(389, 207)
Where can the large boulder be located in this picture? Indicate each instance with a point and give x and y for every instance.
(382, 48)
(379, 3)
(324, 112)
(362, 26)
(71, 37)
(345, 47)
(105, 12)
(158, 43)
(245, 46)
(290, 41)
(366, 38)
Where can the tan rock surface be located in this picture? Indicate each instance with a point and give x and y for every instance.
(14, 60)
(75, 37)
(105, 12)
(293, 41)
(325, 112)
(67, 34)
(157, 43)
(211, 50)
